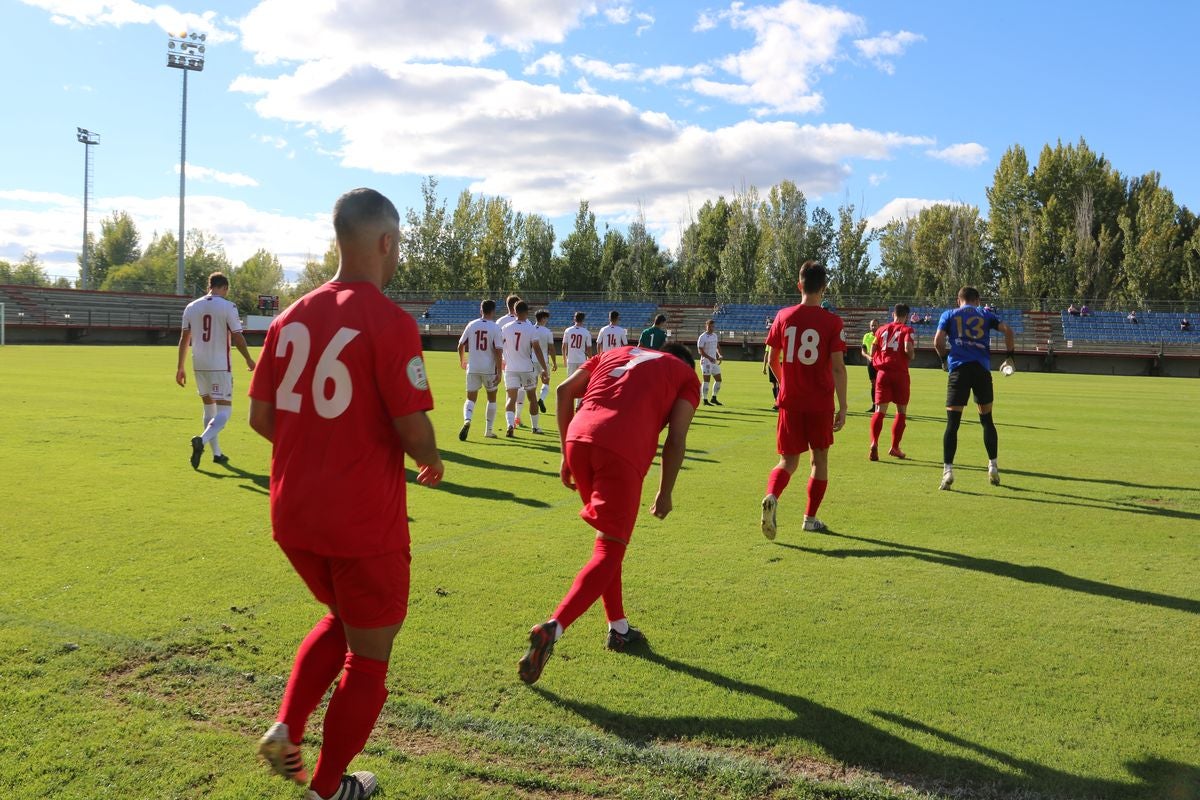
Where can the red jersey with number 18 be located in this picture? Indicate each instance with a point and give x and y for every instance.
(339, 365)
(806, 337)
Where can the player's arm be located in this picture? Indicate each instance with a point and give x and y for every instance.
(239, 341)
(939, 346)
(185, 338)
(910, 347)
(567, 393)
(553, 355)
(462, 354)
(537, 350)
(262, 418)
(1010, 342)
(419, 442)
(776, 364)
(498, 355)
(838, 362)
(673, 450)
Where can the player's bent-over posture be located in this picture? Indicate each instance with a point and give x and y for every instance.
(963, 343)
(209, 324)
(709, 347)
(892, 348)
(341, 394)
(807, 356)
(629, 395)
(479, 354)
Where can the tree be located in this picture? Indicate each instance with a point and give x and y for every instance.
(153, 272)
(616, 264)
(316, 273)
(119, 244)
(818, 239)
(6, 272)
(461, 246)
(852, 276)
(898, 258)
(260, 274)
(498, 244)
(537, 269)
(29, 271)
(1154, 256)
(738, 260)
(1012, 217)
(649, 265)
(950, 251)
(581, 254)
(784, 220)
(423, 244)
(203, 254)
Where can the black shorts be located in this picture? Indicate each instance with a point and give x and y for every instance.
(871, 372)
(966, 379)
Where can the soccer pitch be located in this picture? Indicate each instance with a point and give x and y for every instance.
(1036, 639)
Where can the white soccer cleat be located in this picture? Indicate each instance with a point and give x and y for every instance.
(283, 756)
(357, 786)
(769, 504)
(993, 475)
(947, 479)
(814, 524)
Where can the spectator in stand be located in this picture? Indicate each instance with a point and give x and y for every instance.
(1072, 310)
(926, 319)
(914, 319)
(1084, 311)
(1185, 325)
(1132, 318)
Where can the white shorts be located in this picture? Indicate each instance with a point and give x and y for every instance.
(487, 381)
(710, 367)
(520, 380)
(571, 367)
(216, 384)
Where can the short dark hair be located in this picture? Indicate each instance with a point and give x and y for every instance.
(812, 276)
(661, 318)
(614, 315)
(487, 306)
(217, 280)
(680, 352)
(969, 294)
(521, 307)
(541, 315)
(511, 301)
(579, 317)
(710, 321)
(359, 208)
(901, 310)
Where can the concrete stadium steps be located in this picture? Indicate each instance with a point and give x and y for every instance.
(75, 307)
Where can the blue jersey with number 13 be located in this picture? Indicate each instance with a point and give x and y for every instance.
(969, 330)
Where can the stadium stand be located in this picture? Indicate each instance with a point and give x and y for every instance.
(40, 306)
(634, 316)
(1153, 327)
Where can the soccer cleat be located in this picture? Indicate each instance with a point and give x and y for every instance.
(619, 641)
(993, 475)
(197, 451)
(717, 402)
(769, 504)
(706, 402)
(509, 432)
(353, 787)
(538, 431)
(814, 524)
(517, 422)
(873, 453)
(283, 756)
(490, 435)
(542, 405)
(221, 459)
(462, 432)
(541, 645)
(947, 480)
(896, 452)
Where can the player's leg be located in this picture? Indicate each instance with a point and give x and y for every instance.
(872, 376)
(704, 390)
(545, 392)
(881, 411)
(818, 482)
(511, 388)
(491, 412)
(197, 442)
(991, 437)
(958, 391)
(716, 376)
(790, 443)
(468, 407)
(901, 390)
(531, 393)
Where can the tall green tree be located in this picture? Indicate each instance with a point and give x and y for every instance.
(537, 269)
(852, 276)
(423, 245)
(819, 238)
(784, 216)
(737, 272)
(1154, 256)
(119, 244)
(1013, 216)
(648, 263)
(29, 271)
(316, 273)
(949, 244)
(581, 254)
(461, 243)
(615, 263)
(898, 259)
(258, 275)
(498, 244)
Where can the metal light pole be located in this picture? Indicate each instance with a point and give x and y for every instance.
(185, 53)
(87, 138)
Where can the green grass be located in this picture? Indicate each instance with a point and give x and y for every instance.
(1040, 639)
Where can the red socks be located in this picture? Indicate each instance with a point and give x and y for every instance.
(897, 431)
(353, 709)
(319, 659)
(876, 428)
(816, 493)
(599, 577)
(778, 481)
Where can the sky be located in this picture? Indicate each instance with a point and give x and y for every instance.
(637, 107)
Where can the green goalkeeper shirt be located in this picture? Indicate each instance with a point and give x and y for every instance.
(653, 337)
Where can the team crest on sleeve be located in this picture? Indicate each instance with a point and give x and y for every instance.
(416, 373)
(842, 333)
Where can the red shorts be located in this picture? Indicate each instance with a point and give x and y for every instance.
(800, 430)
(610, 487)
(369, 592)
(892, 386)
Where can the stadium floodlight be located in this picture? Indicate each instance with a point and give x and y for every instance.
(185, 53)
(87, 139)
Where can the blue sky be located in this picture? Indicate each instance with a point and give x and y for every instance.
(631, 105)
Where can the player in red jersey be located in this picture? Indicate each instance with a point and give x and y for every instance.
(894, 347)
(629, 395)
(807, 346)
(340, 392)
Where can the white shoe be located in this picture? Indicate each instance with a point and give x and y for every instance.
(283, 756)
(947, 479)
(353, 787)
(769, 504)
(993, 474)
(814, 524)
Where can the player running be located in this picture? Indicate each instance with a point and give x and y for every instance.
(341, 394)
(209, 323)
(611, 335)
(520, 345)
(479, 354)
(709, 347)
(891, 351)
(963, 343)
(629, 395)
(807, 356)
(546, 340)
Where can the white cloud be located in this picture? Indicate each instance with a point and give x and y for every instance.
(603, 70)
(207, 174)
(969, 154)
(583, 86)
(647, 23)
(551, 64)
(905, 208)
(89, 13)
(618, 15)
(876, 178)
(885, 46)
(706, 21)
(278, 142)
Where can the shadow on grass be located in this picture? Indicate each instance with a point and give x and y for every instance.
(1101, 504)
(1043, 576)
(465, 460)
(855, 742)
(1108, 481)
(261, 483)
(966, 421)
(478, 492)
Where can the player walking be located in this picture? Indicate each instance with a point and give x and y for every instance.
(709, 347)
(510, 303)
(520, 344)
(807, 346)
(479, 354)
(209, 323)
(963, 343)
(892, 348)
(341, 394)
(629, 395)
(611, 335)
(546, 340)
(576, 344)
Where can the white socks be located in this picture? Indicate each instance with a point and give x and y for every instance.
(621, 626)
(468, 410)
(716, 388)
(215, 426)
(534, 419)
(511, 416)
(491, 416)
(704, 391)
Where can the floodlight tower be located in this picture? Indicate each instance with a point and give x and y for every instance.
(87, 139)
(186, 54)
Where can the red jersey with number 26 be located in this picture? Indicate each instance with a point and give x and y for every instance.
(806, 337)
(889, 352)
(629, 397)
(339, 365)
